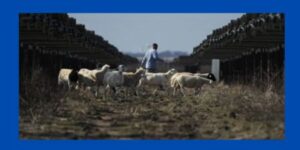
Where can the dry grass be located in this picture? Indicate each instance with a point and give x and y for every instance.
(219, 112)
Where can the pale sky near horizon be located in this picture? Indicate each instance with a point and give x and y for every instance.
(133, 32)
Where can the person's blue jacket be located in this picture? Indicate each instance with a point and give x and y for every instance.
(150, 58)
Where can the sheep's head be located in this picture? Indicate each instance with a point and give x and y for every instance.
(172, 71)
(211, 77)
(140, 70)
(105, 67)
(121, 68)
(209, 81)
(73, 76)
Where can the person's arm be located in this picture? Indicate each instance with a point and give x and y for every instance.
(155, 56)
(144, 60)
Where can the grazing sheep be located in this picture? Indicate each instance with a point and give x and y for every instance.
(131, 79)
(113, 79)
(158, 80)
(67, 78)
(92, 78)
(189, 80)
(205, 75)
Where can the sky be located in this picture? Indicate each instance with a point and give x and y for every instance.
(135, 32)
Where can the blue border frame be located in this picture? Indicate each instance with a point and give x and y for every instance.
(9, 68)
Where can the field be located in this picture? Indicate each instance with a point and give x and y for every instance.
(220, 111)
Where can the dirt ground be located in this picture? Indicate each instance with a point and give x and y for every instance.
(219, 112)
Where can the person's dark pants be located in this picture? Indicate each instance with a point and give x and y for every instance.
(152, 70)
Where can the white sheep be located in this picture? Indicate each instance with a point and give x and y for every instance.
(113, 79)
(131, 79)
(92, 78)
(190, 80)
(67, 78)
(158, 80)
(205, 75)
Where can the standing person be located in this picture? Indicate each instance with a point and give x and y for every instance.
(150, 58)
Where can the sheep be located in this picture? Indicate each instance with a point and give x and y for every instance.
(156, 79)
(131, 79)
(92, 78)
(190, 80)
(67, 78)
(205, 75)
(113, 79)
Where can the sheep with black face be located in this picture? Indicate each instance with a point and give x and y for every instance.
(189, 80)
(67, 78)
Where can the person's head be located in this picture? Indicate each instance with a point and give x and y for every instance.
(154, 46)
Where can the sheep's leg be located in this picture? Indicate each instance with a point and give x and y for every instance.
(196, 91)
(143, 83)
(114, 90)
(136, 92)
(177, 88)
(69, 86)
(73, 86)
(154, 92)
(104, 93)
(64, 87)
(98, 90)
(85, 87)
(95, 91)
(125, 91)
(119, 90)
(59, 83)
(79, 85)
(199, 90)
(139, 86)
(168, 91)
(82, 86)
(174, 91)
(161, 87)
(111, 90)
(182, 91)
(164, 87)
(106, 90)
(76, 86)
(128, 91)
